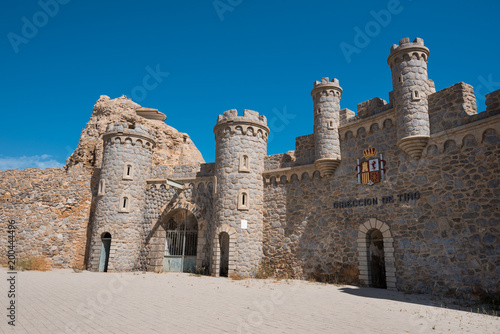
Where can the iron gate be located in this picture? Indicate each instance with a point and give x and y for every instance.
(180, 249)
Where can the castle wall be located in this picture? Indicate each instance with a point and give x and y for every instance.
(51, 209)
(444, 240)
(304, 150)
(451, 107)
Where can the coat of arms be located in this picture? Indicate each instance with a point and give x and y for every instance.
(370, 171)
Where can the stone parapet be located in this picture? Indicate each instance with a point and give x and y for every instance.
(406, 47)
(451, 107)
(251, 123)
(121, 132)
(493, 101)
(372, 107)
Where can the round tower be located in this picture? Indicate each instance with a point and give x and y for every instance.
(411, 88)
(241, 147)
(117, 231)
(326, 97)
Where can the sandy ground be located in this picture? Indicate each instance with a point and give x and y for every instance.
(61, 301)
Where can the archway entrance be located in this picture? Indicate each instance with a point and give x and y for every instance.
(376, 254)
(375, 242)
(181, 242)
(224, 254)
(105, 247)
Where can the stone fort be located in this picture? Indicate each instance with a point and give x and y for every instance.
(400, 195)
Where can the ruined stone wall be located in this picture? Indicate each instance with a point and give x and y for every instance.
(51, 208)
(445, 230)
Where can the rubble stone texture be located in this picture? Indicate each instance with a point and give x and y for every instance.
(125, 167)
(326, 96)
(411, 87)
(238, 137)
(435, 209)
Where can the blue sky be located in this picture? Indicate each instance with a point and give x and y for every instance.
(219, 55)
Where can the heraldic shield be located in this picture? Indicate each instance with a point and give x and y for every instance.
(370, 171)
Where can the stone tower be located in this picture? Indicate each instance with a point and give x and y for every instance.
(117, 234)
(241, 146)
(411, 88)
(326, 97)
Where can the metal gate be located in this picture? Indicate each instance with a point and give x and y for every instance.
(180, 247)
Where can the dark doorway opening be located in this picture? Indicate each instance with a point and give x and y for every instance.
(105, 247)
(376, 259)
(224, 254)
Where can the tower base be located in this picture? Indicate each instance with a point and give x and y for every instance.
(413, 146)
(327, 166)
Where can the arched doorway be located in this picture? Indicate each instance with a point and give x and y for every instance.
(181, 242)
(376, 255)
(224, 254)
(375, 242)
(105, 247)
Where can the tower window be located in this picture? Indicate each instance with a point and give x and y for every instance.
(124, 204)
(244, 164)
(128, 171)
(102, 187)
(401, 78)
(330, 124)
(243, 200)
(415, 95)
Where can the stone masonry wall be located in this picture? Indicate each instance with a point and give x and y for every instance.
(281, 160)
(123, 146)
(451, 107)
(445, 231)
(411, 87)
(326, 97)
(237, 136)
(304, 150)
(51, 208)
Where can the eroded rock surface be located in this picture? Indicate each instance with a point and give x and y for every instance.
(173, 148)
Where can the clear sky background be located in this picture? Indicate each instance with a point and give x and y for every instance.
(220, 55)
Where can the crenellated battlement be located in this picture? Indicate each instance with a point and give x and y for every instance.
(250, 116)
(326, 87)
(122, 132)
(251, 123)
(129, 128)
(415, 49)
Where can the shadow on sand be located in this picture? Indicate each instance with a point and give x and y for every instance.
(427, 300)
